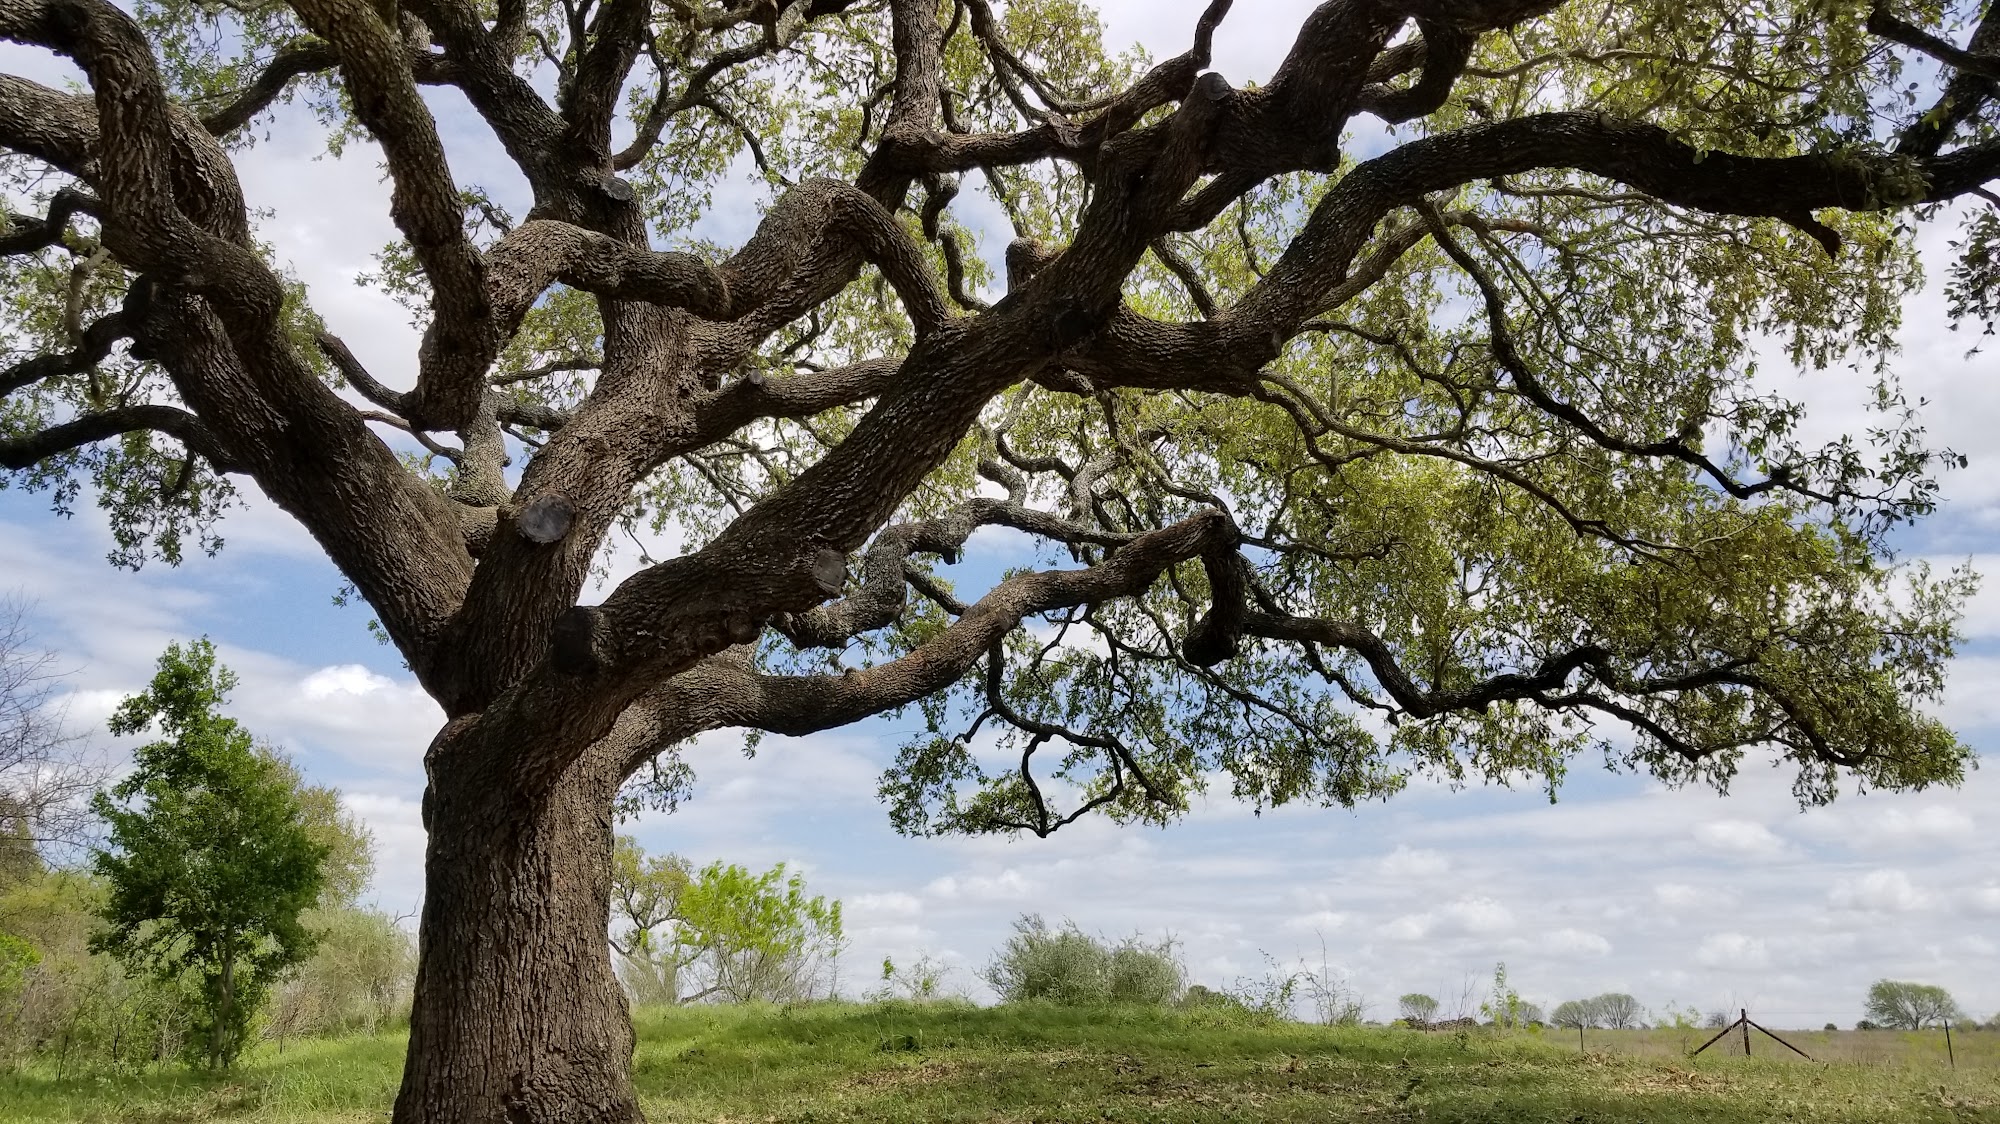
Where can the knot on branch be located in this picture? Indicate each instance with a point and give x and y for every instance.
(829, 571)
(576, 640)
(545, 519)
(1025, 258)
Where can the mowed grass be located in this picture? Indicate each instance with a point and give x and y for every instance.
(900, 1063)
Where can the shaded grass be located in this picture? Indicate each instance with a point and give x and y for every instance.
(899, 1064)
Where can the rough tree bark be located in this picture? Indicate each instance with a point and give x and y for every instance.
(519, 1016)
(551, 705)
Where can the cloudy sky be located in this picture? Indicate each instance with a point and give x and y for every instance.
(1680, 898)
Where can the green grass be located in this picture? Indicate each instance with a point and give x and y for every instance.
(899, 1063)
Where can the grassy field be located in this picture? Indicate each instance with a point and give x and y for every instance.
(895, 1063)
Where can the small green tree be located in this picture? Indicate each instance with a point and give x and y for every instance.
(1503, 1007)
(1901, 1005)
(210, 863)
(722, 932)
(759, 936)
(1417, 1009)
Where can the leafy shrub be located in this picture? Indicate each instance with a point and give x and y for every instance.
(923, 981)
(1145, 973)
(1070, 967)
(357, 979)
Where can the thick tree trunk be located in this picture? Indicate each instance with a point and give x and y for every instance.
(518, 1017)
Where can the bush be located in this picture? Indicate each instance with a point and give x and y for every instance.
(358, 979)
(1199, 998)
(921, 982)
(78, 1011)
(1070, 967)
(1145, 973)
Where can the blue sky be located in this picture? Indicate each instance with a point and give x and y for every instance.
(1676, 897)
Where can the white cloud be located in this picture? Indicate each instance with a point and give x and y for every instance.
(1868, 829)
(1409, 864)
(1007, 886)
(1878, 891)
(1323, 921)
(1465, 917)
(893, 904)
(1984, 901)
(1683, 898)
(1732, 951)
(1473, 916)
(1740, 839)
(1574, 942)
(347, 679)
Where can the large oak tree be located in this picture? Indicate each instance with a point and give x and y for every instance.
(1398, 414)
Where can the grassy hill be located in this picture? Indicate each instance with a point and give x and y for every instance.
(897, 1063)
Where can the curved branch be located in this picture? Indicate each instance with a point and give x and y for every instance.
(726, 692)
(1530, 384)
(542, 251)
(1636, 154)
(1445, 51)
(94, 346)
(425, 205)
(31, 449)
(289, 63)
(880, 599)
(29, 235)
(1895, 30)
(1416, 701)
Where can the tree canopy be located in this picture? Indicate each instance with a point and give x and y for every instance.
(1901, 1005)
(1399, 413)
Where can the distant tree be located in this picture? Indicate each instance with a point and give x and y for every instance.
(1573, 1014)
(1716, 1020)
(1417, 1008)
(760, 936)
(1618, 1011)
(1528, 1013)
(1865, 1024)
(1832, 1026)
(350, 846)
(722, 932)
(646, 913)
(1900, 1005)
(210, 861)
(46, 774)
